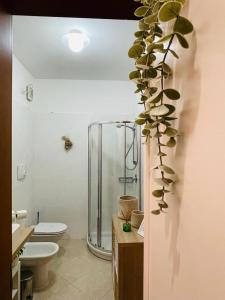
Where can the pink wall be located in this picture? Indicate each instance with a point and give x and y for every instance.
(185, 248)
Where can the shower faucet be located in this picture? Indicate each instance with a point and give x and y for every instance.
(128, 179)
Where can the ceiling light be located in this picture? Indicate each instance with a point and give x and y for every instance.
(77, 40)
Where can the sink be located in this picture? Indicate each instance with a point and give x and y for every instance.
(15, 230)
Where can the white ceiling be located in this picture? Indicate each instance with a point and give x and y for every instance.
(38, 43)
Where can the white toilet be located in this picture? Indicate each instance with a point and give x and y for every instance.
(48, 232)
(36, 256)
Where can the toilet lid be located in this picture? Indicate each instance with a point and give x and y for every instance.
(50, 228)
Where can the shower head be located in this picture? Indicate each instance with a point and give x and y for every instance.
(122, 125)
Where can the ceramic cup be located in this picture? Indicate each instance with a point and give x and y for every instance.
(137, 217)
(126, 205)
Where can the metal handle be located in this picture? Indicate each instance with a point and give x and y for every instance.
(128, 179)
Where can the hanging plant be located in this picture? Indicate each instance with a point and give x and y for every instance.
(150, 50)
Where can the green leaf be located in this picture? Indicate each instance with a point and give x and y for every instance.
(155, 46)
(172, 94)
(156, 99)
(153, 90)
(158, 30)
(166, 68)
(165, 122)
(149, 39)
(143, 98)
(160, 153)
(156, 7)
(142, 62)
(141, 11)
(150, 73)
(183, 25)
(140, 34)
(151, 19)
(174, 53)
(169, 11)
(154, 124)
(171, 132)
(171, 143)
(158, 193)
(144, 115)
(156, 212)
(160, 110)
(171, 109)
(140, 121)
(140, 86)
(135, 51)
(165, 38)
(142, 25)
(183, 42)
(146, 131)
(145, 61)
(163, 204)
(166, 169)
(170, 118)
(158, 134)
(139, 42)
(168, 180)
(134, 75)
(161, 181)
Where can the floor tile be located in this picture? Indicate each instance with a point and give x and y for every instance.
(95, 284)
(76, 274)
(108, 296)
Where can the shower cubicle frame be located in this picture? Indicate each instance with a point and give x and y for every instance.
(96, 249)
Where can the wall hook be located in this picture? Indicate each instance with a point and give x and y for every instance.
(68, 144)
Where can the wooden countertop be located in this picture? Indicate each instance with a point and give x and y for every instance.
(126, 237)
(20, 240)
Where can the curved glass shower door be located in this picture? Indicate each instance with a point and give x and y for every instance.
(114, 169)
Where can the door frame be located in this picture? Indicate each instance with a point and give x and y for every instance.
(5, 154)
(115, 10)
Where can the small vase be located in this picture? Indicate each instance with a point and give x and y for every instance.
(126, 227)
(137, 217)
(126, 205)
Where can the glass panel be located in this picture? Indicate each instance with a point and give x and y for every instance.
(93, 183)
(110, 183)
(114, 162)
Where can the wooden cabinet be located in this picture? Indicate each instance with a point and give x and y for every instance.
(18, 242)
(127, 260)
(16, 280)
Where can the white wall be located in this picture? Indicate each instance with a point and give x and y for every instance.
(66, 107)
(56, 184)
(99, 98)
(22, 139)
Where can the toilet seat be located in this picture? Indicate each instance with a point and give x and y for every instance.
(49, 228)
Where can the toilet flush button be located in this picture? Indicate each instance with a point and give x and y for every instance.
(21, 172)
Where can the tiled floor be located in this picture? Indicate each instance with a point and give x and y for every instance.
(76, 274)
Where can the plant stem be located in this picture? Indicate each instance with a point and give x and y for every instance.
(162, 88)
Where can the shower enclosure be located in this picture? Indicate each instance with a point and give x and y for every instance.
(114, 169)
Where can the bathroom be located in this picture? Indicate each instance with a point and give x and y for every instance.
(59, 125)
(74, 153)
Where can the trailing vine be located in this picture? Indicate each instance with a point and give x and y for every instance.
(151, 48)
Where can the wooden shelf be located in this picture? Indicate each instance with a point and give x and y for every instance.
(128, 261)
(125, 237)
(20, 240)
